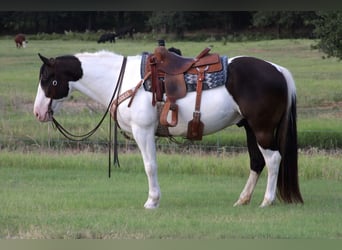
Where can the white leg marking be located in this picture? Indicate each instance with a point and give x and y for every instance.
(272, 160)
(146, 142)
(41, 105)
(246, 194)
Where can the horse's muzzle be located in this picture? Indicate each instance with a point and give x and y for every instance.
(44, 117)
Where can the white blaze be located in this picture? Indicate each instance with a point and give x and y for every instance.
(41, 105)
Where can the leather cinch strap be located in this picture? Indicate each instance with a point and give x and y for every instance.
(124, 96)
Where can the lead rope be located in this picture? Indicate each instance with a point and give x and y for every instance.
(116, 162)
(115, 139)
(74, 137)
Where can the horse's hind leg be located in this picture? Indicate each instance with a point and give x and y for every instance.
(262, 151)
(246, 194)
(272, 159)
(257, 164)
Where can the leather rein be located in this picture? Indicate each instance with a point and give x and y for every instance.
(82, 137)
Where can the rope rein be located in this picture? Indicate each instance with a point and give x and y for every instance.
(85, 136)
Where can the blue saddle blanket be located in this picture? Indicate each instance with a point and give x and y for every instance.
(211, 80)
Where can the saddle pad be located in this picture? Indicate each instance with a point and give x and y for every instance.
(211, 80)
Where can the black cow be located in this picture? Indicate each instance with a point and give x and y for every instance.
(121, 33)
(107, 37)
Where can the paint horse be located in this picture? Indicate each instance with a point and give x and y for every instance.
(258, 95)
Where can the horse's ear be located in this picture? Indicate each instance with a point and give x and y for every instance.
(49, 62)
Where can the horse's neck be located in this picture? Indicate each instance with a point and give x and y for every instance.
(100, 75)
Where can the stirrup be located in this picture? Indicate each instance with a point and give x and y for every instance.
(169, 107)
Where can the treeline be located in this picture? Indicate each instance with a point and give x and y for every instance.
(325, 26)
(280, 24)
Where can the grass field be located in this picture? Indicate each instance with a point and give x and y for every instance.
(66, 195)
(52, 188)
(319, 88)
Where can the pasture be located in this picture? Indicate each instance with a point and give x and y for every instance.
(67, 195)
(52, 188)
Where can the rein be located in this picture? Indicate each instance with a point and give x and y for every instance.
(82, 137)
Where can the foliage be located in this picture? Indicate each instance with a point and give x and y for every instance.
(284, 21)
(179, 23)
(329, 31)
(169, 21)
(58, 22)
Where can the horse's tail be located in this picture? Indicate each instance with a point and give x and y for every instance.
(288, 185)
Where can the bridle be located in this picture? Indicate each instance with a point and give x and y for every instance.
(85, 136)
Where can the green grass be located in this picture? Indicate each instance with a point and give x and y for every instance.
(65, 195)
(53, 188)
(318, 89)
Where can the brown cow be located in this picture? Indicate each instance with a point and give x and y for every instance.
(20, 40)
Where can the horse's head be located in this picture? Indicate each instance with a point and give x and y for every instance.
(54, 77)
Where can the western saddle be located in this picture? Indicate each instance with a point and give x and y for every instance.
(166, 71)
(167, 75)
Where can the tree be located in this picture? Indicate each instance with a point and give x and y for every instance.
(169, 21)
(287, 23)
(328, 28)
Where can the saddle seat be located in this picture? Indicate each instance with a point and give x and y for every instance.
(173, 64)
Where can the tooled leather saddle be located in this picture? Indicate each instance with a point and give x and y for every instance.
(167, 71)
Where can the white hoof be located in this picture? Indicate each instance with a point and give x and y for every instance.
(266, 203)
(150, 204)
(242, 201)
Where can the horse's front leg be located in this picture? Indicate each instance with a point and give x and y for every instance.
(144, 137)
